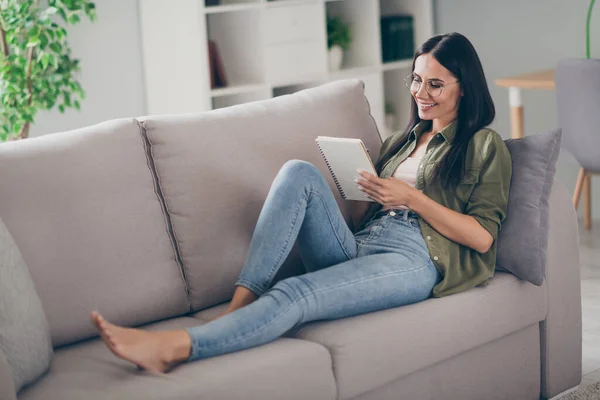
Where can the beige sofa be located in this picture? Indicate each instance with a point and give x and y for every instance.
(148, 221)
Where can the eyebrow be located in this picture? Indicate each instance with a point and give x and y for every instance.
(432, 79)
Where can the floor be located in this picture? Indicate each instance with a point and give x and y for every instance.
(590, 300)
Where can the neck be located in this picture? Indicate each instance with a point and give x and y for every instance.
(440, 123)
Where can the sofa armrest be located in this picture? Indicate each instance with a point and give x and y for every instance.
(7, 385)
(560, 332)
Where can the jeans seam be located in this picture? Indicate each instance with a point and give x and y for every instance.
(285, 243)
(335, 232)
(374, 276)
(304, 296)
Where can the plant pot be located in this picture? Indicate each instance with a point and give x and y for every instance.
(336, 55)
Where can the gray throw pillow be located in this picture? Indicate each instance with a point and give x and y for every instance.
(24, 332)
(523, 238)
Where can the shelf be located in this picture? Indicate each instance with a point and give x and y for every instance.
(240, 98)
(289, 89)
(284, 3)
(233, 7)
(345, 73)
(389, 66)
(271, 48)
(238, 89)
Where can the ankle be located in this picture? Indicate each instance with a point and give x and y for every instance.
(235, 305)
(179, 345)
(242, 297)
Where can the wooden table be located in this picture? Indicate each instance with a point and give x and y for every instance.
(543, 80)
(535, 80)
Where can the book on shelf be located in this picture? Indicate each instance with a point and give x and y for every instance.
(397, 37)
(343, 157)
(217, 70)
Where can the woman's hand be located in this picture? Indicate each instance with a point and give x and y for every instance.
(390, 192)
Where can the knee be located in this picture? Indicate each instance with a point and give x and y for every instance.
(289, 289)
(294, 170)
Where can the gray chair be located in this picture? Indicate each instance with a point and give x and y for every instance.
(578, 103)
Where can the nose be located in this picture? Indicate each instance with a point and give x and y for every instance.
(422, 92)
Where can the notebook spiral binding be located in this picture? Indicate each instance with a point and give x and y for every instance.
(335, 180)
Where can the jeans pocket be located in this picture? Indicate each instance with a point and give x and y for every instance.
(371, 231)
(414, 223)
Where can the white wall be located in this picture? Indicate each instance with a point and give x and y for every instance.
(511, 37)
(111, 69)
(520, 36)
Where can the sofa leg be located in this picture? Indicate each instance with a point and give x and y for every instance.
(587, 201)
(578, 187)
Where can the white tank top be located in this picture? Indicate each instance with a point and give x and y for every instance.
(407, 172)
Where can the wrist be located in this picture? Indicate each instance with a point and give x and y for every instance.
(413, 199)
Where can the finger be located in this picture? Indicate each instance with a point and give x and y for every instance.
(370, 177)
(365, 185)
(362, 183)
(371, 194)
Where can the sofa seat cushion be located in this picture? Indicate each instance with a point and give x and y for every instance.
(283, 369)
(373, 349)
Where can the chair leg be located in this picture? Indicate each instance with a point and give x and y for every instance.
(578, 187)
(587, 201)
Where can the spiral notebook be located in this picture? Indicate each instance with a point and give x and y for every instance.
(343, 156)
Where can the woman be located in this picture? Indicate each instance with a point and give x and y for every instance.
(440, 198)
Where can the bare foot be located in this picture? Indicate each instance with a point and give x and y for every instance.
(153, 351)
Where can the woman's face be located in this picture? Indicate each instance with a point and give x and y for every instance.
(430, 74)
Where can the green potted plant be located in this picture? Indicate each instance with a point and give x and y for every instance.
(37, 71)
(338, 41)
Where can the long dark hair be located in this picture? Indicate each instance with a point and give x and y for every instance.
(475, 110)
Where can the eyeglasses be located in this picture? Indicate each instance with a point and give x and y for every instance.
(433, 87)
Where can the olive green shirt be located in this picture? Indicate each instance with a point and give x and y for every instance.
(482, 193)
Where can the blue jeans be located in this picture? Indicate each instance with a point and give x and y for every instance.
(385, 265)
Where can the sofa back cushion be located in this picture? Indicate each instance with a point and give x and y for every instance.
(82, 208)
(215, 170)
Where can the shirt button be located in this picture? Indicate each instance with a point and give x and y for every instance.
(428, 237)
(392, 213)
(435, 258)
(420, 167)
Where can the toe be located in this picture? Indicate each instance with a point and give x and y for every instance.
(94, 318)
(103, 324)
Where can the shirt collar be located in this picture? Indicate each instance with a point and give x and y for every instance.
(447, 133)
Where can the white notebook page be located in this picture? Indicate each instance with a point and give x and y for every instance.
(344, 156)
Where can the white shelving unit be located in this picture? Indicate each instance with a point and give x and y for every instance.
(270, 48)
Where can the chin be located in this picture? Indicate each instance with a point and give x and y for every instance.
(425, 116)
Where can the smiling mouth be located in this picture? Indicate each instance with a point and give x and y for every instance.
(426, 106)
